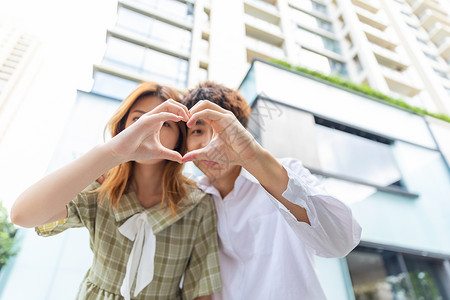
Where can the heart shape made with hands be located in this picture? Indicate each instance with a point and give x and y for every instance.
(230, 142)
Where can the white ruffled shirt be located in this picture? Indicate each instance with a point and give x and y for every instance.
(264, 252)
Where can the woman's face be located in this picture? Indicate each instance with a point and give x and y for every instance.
(169, 133)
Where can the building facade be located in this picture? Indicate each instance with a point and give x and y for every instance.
(393, 171)
(17, 70)
(397, 47)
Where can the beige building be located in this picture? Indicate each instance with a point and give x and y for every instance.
(397, 47)
(17, 71)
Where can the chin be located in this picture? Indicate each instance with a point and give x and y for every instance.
(216, 171)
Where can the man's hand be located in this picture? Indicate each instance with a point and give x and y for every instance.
(231, 142)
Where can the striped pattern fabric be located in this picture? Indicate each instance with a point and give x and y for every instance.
(186, 245)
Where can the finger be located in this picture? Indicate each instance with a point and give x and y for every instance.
(194, 155)
(165, 116)
(171, 155)
(206, 104)
(181, 105)
(207, 114)
(172, 107)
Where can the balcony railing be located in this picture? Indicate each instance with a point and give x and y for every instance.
(264, 48)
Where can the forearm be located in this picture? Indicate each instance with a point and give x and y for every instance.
(48, 197)
(273, 177)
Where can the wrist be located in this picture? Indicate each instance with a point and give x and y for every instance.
(107, 151)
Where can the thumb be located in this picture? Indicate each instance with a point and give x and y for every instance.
(171, 155)
(199, 154)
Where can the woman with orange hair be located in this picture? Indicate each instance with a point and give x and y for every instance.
(149, 227)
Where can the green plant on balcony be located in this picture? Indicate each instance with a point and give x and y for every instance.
(7, 234)
(363, 89)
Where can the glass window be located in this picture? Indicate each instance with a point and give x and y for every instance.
(165, 68)
(321, 63)
(430, 56)
(125, 54)
(133, 21)
(305, 19)
(319, 7)
(381, 274)
(317, 41)
(422, 41)
(176, 9)
(378, 276)
(440, 73)
(112, 86)
(171, 35)
(202, 74)
(344, 153)
(426, 277)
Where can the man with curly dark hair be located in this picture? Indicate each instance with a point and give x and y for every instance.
(273, 215)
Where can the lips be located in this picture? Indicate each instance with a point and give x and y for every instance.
(209, 163)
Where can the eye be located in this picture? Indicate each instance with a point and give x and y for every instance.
(195, 132)
(135, 119)
(166, 124)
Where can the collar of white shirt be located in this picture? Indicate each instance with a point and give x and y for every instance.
(205, 184)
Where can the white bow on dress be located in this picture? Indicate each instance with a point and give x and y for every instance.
(141, 262)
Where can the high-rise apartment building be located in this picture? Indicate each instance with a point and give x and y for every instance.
(16, 50)
(397, 47)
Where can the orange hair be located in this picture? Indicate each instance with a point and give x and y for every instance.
(117, 180)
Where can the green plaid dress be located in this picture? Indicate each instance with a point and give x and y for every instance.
(186, 245)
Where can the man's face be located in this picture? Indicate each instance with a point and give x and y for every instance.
(198, 137)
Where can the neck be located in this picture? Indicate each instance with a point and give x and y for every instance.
(147, 182)
(225, 184)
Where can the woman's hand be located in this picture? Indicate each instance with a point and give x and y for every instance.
(141, 140)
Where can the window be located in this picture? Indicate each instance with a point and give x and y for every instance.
(430, 56)
(382, 274)
(147, 27)
(441, 74)
(160, 67)
(422, 41)
(356, 154)
(318, 41)
(305, 19)
(202, 74)
(319, 7)
(112, 86)
(125, 54)
(405, 13)
(320, 62)
(413, 26)
(165, 68)
(447, 90)
(176, 9)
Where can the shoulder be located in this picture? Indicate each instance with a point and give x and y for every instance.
(88, 193)
(202, 201)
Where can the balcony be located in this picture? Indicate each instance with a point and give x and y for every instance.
(400, 82)
(438, 33)
(378, 37)
(204, 51)
(374, 20)
(429, 19)
(369, 5)
(389, 58)
(263, 25)
(421, 5)
(264, 6)
(266, 50)
(444, 48)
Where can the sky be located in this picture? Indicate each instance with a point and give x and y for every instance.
(72, 37)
